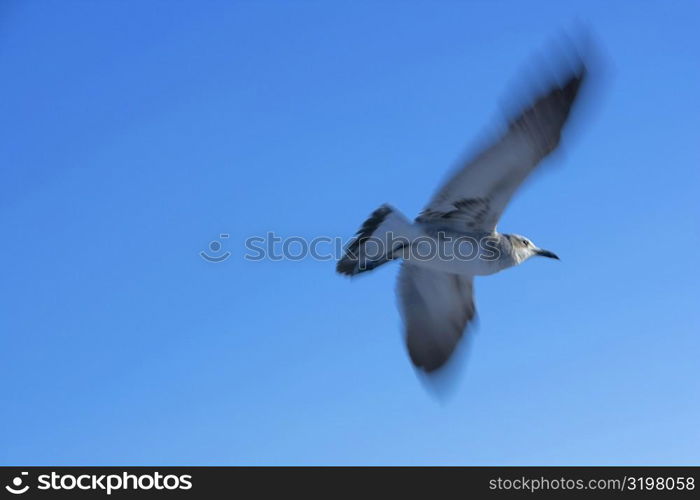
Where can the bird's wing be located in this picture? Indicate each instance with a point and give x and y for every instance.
(475, 197)
(436, 308)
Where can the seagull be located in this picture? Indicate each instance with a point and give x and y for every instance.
(455, 238)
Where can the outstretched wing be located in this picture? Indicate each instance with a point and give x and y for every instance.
(436, 308)
(475, 197)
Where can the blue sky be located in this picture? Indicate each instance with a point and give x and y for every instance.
(134, 133)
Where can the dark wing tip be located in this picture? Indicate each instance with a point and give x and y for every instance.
(545, 118)
(428, 363)
(427, 358)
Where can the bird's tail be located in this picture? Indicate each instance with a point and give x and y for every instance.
(380, 239)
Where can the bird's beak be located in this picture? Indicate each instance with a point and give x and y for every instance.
(546, 253)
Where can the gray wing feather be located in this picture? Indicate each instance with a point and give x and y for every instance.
(475, 197)
(436, 308)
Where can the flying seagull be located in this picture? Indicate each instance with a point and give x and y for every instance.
(455, 238)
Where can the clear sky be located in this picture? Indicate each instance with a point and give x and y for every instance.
(135, 133)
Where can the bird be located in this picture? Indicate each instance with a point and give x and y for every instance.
(455, 237)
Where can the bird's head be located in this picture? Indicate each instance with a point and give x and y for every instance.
(523, 248)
